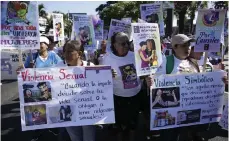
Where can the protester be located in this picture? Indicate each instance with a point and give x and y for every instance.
(42, 58)
(73, 54)
(127, 85)
(52, 44)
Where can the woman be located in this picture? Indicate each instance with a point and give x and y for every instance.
(151, 51)
(126, 84)
(28, 96)
(43, 58)
(159, 102)
(73, 54)
(143, 55)
(65, 113)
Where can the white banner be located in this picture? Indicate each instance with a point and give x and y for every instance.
(84, 30)
(147, 47)
(119, 26)
(58, 27)
(128, 20)
(224, 120)
(153, 13)
(186, 99)
(67, 96)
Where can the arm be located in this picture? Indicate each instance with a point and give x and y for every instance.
(57, 59)
(156, 101)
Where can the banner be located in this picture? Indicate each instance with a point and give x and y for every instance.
(105, 34)
(10, 63)
(128, 20)
(224, 120)
(58, 27)
(153, 13)
(119, 26)
(19, 25)
(209, 28)
(98, 28)
(67, 96)
(147, 47)
(84, 29)
(186, 99)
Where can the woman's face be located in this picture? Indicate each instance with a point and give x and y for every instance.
(121, 45)
(144, 47)
(159, 92)
(71, 56)
(28, 93)
(182, 51)
(43, 47)
(149, 45)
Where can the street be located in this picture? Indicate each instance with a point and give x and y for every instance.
(11, 124)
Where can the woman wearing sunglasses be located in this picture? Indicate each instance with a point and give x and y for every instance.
(126, 83)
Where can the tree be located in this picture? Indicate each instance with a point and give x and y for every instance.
(120, 9)
(181, 8)
(193, 8)
(221, 4)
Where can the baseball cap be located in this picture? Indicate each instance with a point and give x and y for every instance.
(180, 39)
(44, 39)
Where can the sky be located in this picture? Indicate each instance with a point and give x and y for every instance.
(72, 6)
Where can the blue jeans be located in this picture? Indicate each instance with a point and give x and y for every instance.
(81, 133)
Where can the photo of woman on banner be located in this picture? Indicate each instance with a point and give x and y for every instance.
(45, 93)
(160, 99)
(84, 33)
(65, 113)
(28, 96)
(151, 51)
(58, 29)
(143, 55)
(153, 18)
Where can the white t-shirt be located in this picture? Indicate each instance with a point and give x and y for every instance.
(62, 64)
(176, 69)
(126, 83)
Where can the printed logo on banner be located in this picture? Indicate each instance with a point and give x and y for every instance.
(129, 76)
(210, 19)
(17, 12)
(136, 29)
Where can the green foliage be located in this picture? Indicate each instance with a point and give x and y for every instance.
(221, 4)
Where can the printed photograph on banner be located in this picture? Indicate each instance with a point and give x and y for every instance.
(165, 97)
(61, 114)
(209, 28)
(35, 115)
(147, 47)
(58, 25)
(129, 76)
(19, 25)
(37, 92)
(153, 13)
(119, 26)
(10, 63)
(84, 29)
(163, 118)
(188, 116)
(98, 28)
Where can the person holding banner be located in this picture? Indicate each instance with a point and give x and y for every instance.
(43, 58)
(127, 85)
(73, 54)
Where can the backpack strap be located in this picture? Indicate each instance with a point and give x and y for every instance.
(169, 64)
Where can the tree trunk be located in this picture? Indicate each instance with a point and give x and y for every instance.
(169, 22)
(181, 21)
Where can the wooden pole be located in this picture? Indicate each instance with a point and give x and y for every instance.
(205, 60)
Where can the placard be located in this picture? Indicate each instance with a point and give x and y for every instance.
(147, 47)
(84, 29)
(153, 13)
(67, 96)
(98, 28)
(119, 26)
(186, 99)
(209, 30)
(19, 25)
(58, 24)
(10, 63)
(224, 120)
